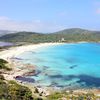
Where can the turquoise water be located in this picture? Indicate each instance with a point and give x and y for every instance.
(67, 65)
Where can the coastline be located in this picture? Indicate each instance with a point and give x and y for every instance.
(25, 69)
(16, 71)
(11, 53)
(15, 51)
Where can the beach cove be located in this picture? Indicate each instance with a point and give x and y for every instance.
(11, 54)
(15, 57)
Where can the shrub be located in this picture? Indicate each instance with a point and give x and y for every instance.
(36, 90)
(38, 99)
(55, 96)
(2, 77)
(13, 91)
(19, 92)
(3, 61)
(3, 65)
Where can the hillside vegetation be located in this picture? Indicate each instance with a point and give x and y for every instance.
(68, 35)
(3, 65)
(10, 90)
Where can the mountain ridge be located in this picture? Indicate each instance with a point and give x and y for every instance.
(4, 32)
(69, 35)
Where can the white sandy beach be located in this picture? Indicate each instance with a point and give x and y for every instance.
(14, 51)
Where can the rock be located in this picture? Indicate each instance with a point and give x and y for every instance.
(42, 91)
(24, 79)
(30, 73)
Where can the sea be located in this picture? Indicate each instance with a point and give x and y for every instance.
(70, 65)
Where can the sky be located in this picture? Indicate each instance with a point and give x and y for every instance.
(49, 15)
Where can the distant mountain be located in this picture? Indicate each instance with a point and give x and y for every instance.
(3, 32)
(67, 35)
(73, 31)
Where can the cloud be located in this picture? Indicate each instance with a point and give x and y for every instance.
(4, 18)
(34, 25)
(97, 6)
(98, 11)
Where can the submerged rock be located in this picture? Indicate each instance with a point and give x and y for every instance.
(73, 66)
(30, 73)
(25, 79)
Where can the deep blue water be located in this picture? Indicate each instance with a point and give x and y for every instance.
(68, 65)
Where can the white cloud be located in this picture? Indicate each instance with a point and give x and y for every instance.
(35, 25)
(97, 6)
(98, 11)
(4, 18)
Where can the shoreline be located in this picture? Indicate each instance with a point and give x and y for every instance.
(15, 51)
(10, 55)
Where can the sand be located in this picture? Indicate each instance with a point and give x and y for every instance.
(15, 51)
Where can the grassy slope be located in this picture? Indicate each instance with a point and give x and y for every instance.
(70, 35)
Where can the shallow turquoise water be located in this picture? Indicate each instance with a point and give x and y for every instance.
(67, 65)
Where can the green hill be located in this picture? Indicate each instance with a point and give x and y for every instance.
(73, 31)
(68, 35)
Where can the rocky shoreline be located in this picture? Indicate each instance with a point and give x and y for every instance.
(18, 69)
(20, 73)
